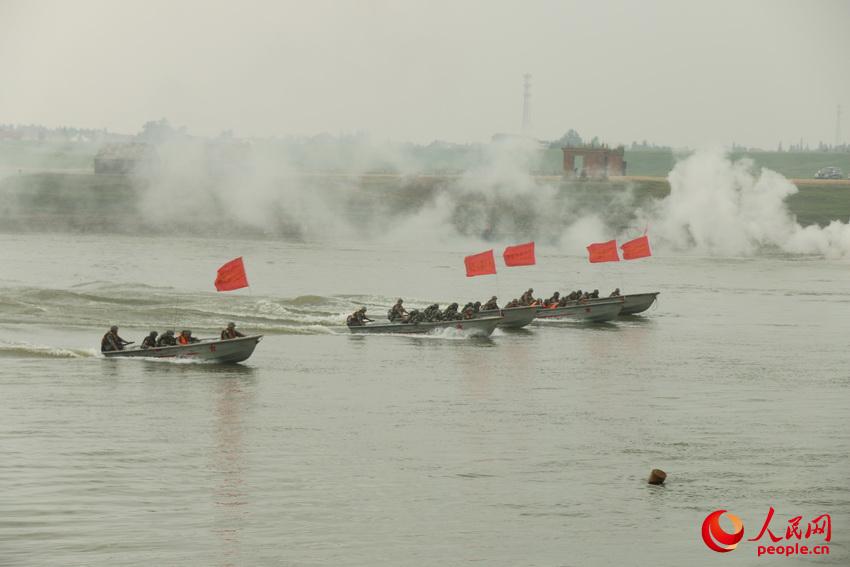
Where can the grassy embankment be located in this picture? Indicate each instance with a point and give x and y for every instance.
(99, 203)
(658, 163)
(438, 160)
(30, 157)
(79, 202)
(817, 202)
(83, 201)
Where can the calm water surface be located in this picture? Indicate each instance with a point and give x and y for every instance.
(528, 448)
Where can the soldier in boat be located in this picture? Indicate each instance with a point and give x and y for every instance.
(186, 338)
(111, 340)
(150, 340)
(166, 339)
(615, 293)
(491, 305)
(553, 301)
(527, 298)
(397, 312)
(450, 313)
(231, 333)
(358, 318)
(432, 313)
(415, 316)
(594, 294)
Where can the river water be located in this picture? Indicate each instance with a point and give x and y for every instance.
(527, 448)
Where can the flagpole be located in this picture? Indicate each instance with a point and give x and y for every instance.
(250, 292)
(498, 287)
(231, 276)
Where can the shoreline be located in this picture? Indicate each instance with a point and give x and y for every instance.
(82, 201)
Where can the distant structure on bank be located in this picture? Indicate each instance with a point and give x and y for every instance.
(524, 137)
(526, 105)
(121, 159)
(593, 162)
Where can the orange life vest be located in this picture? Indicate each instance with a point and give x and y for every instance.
(183, 340)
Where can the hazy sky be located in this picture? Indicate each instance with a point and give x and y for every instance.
(678, 72)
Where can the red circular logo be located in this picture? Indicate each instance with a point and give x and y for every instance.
(718, 539)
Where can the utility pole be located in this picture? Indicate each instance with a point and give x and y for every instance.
(526, 105)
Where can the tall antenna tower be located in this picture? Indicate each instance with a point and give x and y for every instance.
(526, 104)
(838, 126)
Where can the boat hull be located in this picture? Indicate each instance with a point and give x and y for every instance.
(512, 317)
(591, 312)
(638, 302)
(207, 350)
(482, 327)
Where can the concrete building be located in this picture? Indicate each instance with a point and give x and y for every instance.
(593, 162)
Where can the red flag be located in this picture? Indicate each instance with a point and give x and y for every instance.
(637, 248)
(480, 264)
(603, 252)
(231, 276)
(520, 255)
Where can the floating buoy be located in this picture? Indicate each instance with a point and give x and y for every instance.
(657, 476)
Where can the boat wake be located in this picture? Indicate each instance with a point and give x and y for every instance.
(144, 307)
(175, 360)
(444, 334)
(27, 350)
(451, 333)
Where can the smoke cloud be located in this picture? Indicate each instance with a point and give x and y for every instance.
(721, 207)
(379, 192)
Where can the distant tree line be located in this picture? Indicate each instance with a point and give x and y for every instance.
(158, 131)
(820, 148)
(573, 138)
(69, 134)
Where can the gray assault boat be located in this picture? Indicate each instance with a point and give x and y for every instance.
(482, 327)
(638, 302)
(590, 311)
(512, 317)
(208, 350)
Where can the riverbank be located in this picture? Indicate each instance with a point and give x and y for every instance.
(329, 157)
(84, 202)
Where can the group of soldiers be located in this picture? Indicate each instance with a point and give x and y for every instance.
(432, 313)
(527, 299)
(112, 341)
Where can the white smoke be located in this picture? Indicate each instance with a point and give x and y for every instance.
(722, 207)
(500, 201)
(716, 206)
(192, 184)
